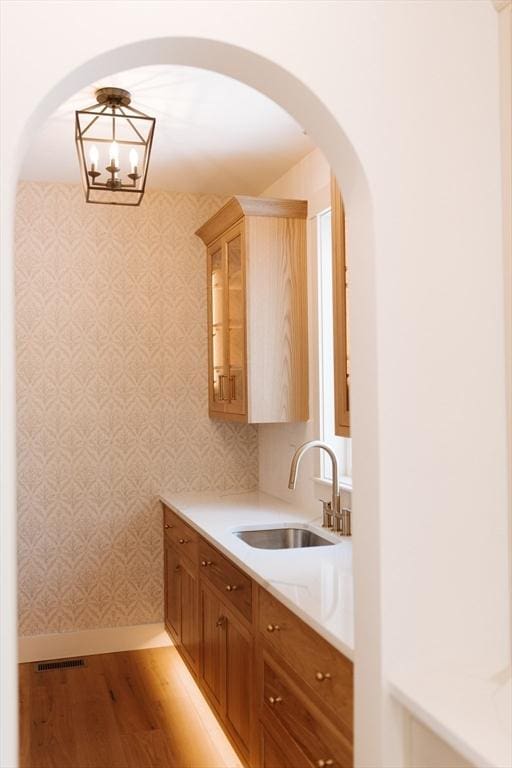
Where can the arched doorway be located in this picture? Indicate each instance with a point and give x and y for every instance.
(302, 104)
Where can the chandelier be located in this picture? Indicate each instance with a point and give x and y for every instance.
(113, 138)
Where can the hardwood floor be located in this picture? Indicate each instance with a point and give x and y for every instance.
(136, 709)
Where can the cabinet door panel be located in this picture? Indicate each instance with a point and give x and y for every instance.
(236, 321)
(189, 618)
(213, 641)
(280, 754)
(172, 592)
(238, 681)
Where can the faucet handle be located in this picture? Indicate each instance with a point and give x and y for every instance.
(343, 522)
(346, 521)
(327, 515)
(338, 522)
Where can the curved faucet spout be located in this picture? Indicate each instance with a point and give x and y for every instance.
(299, 453)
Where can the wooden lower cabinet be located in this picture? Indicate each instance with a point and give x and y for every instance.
(279, 751)
(324, 673)
(314, 734)
(172, 589)
(283, 695)
(181, 604)
(189, 613)
(239, 665)
(212, 668)
(225, 671)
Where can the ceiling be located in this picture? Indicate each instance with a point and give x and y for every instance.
(213, 134)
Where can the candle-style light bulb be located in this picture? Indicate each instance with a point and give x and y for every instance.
(134, 160)
(114, 154)
(94, 157)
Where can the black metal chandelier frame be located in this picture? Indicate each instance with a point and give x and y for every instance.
(114, 103)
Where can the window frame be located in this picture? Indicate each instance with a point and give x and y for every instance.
(342, 446)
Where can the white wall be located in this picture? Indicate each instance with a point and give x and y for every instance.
(426, 750)
(505, 47)
(310, 180)
(403, 100)
(307, 180)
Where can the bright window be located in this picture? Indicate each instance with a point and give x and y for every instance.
(342, 445)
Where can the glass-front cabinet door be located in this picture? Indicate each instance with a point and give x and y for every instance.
(226, 322)
(217, 327)
(235, 322)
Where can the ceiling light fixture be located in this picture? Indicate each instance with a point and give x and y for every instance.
(111, 136)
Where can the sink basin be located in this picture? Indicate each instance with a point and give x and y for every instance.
(283, 538)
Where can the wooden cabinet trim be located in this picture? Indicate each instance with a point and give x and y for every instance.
(339, 267)
(243, 205)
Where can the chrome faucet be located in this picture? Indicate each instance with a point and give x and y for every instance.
(332, 516)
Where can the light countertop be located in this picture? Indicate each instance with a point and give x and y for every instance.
(315, 583)
(468, 708)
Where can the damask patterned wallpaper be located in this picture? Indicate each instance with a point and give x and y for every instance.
(112, 400)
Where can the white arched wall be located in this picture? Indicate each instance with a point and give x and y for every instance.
(420, 170)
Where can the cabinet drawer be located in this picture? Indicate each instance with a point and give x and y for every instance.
(280, 752)
(311, 731)
(181, 535)
(234, 585)
(326, 671)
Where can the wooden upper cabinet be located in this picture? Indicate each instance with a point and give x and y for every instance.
(257, 310)
(341, 319)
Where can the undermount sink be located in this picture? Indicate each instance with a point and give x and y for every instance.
(283, 538)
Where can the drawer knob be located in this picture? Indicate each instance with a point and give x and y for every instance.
(205, 563)
(168, 526)
(177, 568)
(274, 700)
(273, 627)
(231, 587)
(183, 541)
(321, 676)
(324, 763)
(220, 621)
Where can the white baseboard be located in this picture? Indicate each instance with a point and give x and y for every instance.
(91, 641)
